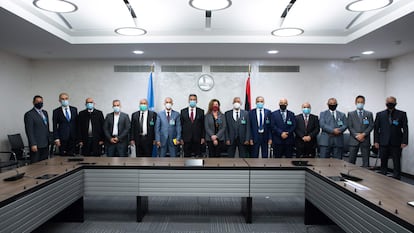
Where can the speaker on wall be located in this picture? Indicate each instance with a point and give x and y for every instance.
(383, 65)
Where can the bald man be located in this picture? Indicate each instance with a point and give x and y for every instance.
(283, 125)
(306, 132)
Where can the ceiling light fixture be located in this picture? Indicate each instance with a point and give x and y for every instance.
(57, 6)
(287, 32)
(368, 52)
(367, 5)
(131, 31)
(272, 52)
(210, 5)
(139, 52)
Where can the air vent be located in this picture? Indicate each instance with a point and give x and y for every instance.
(229, 69)
(182, 69)
(119, 68)
(279, 69)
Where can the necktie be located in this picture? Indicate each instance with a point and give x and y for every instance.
(261, 120)
(67, 114)
(306, 121)
(192, 115)
(43, 117)
(237, 116)
(168, 117)
(333, 116)
(141, 123)
(284, 116)
(360, 115)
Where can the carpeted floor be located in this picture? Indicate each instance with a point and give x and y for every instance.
(190, 215)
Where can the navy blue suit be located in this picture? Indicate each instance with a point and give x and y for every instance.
(260, 137)
(66, 131)
(283, 146)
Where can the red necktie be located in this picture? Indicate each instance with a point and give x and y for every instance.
(192, 115)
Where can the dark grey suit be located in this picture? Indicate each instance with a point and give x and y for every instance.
(238, 132)
(356, 125)
(215, 127)
(124, 125)
(37, 131)
(328, 142)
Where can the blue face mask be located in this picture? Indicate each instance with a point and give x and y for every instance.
(360, 106)
(64, 103)
(259, 105)
(306, 111)
(143, 107)
(193, 103)
(89, 106)
(116, 109)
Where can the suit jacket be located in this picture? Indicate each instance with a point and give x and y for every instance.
(394, 133)
(356, 126)
(36, 130)
(328, 125)
(151, 120)
(192, 131)
(124, 126)
(254, 125)
(165, 129)
(312, 129)
(279, 126)
(239, 128)
(97, 121)
(209, 126)
(62, 128)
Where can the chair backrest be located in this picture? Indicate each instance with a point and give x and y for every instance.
(16, 144)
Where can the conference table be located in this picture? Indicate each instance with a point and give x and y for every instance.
(55, 188)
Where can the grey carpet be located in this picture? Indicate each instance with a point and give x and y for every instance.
(190, 215)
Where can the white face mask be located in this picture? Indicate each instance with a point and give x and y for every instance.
(236, 105)
(168, 106)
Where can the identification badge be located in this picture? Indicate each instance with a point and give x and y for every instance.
(243, 122)
(340, 123)
(289, 122)
(151, 123)
(172, 122)
(365, 122)
(395, 122)
(267, 121)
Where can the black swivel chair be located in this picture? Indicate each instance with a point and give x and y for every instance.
(18, 148)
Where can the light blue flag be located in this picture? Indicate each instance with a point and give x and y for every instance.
(150, 94)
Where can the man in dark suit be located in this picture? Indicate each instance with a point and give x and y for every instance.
(261, 132)
(237, 130)
(143, 130)
(168, 129)
(91, 136)
(391, 136)
(360, 125)
(65, 126)
(36, 122)
(192, 123)
(283, 125)
(333, 124)
(116, 130)
(306, 132)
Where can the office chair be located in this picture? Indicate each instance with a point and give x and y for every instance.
(18, 148)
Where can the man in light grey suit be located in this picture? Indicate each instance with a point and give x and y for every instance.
(116, 130)
(168, 129)
(36, 122)
(237, 130)
(360, 125)
(333, 124)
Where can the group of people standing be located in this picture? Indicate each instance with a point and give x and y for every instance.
(250, 132)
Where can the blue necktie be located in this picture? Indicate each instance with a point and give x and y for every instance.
(261, 120)
(67, 114)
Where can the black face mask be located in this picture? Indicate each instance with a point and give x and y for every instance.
(38, 105)
(391, 105)
(332, 107)
(283, 107)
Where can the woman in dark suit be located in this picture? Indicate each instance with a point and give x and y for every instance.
(215, 126)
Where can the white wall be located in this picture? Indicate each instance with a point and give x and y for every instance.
(400, 83)
(15, 94)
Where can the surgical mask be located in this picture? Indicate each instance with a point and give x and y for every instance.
(360, 106)
(236, 105)
(143, 107)
(215, 108)
(283, 107)
(116, 109)
(193, 103)
(391, 105)
(168, 106)
(259, 105)
(306, 111)
(39, 105)
(89, 106)
(332, 107)
(64, 103)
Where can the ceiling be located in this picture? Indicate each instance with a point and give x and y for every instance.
(177, 31)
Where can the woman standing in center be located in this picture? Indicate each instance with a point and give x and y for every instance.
(215, 126)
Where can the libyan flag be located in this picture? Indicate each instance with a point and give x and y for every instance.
(247, 101)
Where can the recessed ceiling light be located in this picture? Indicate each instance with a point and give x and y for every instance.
(58, 6)
(131, 31)
(210, 5)
(368, 52)
(367, 5)
(272, 52)
(138, 52)
(287, 32)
